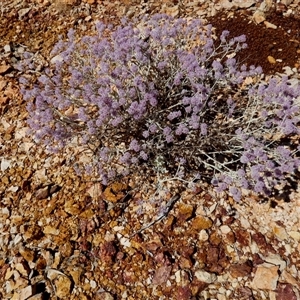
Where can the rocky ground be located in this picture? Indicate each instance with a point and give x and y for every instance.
(64, 236)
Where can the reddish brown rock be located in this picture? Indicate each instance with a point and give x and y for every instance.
(107, 252)
(183, 293)
(161, 275)
(241, 270)
(215, 238)
(242, 237)
(185, 212)
(285, 291)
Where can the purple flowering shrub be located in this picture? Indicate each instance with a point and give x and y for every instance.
(160, 96)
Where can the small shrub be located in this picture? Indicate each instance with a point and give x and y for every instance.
(160, 96)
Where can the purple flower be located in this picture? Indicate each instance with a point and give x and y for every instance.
(181, 129)
(236, 193)
(146, 134)
(222, 186)
(174, 114)
(104, 153)
(169, 139)
(240, 39)
(224, 35)
(259, 186)
(154, 92)
(152, 128)
(125, 158)
(116, 121)
(203, 128)
(255, 171)
(143, 155)
(217, 66)
(134, 145)
(194, 121)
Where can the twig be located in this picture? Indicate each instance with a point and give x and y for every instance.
(161, 216)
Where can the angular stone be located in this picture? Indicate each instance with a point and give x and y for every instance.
(270, 25)
(95, 190)
(173, 11)
(42, 193)
(183, 292)
(259, 17)
(203, 235)
(54, 188)
(285, 291)
(161, 275)
(33, 232)
(200, 223)
(66, 249)
(264, 6)
(279, 231)
(50, 230)
(72, 208)
(71, 2)
(23, 269)
(229, 4)
(226, 4)
(185, 212)
(115, 192)
(225, 229)
(205, 276)
(271, 59)
(276, 260)
(39, 296)
(243, 237)
(266, 277)
(244, 3)
(26, 292)
(240, 270)
(104, 296)
(63, 286)
(5, 164)
(57, 58)
(4, 69)
(7, 48)
(287, 277)
(215, 239)
(24, 11)
(76, 275)
(286, 2)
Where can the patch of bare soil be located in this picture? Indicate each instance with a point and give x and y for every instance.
(65, 236)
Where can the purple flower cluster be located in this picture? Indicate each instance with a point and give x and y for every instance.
(159, 87)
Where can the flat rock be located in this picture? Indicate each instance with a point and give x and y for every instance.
(259, 17)
(200, 223)
(4, 69)
(63, 286)
(26, 292)
(270, 25)
(161, 275)
(266, 277)
(285, 291)
(226, 4)
(185, 212)
(271, 59)
(205, 276)
(240, 270)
